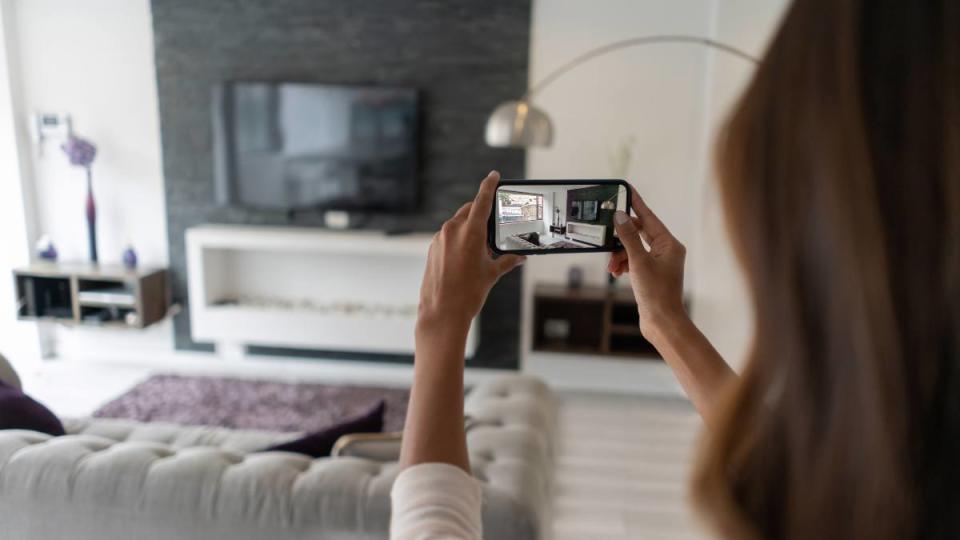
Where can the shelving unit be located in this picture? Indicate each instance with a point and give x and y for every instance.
(589, 321)
(91, 294)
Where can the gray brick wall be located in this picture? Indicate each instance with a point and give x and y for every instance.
(463, 56)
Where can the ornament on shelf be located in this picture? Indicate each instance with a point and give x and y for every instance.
(130, 258)
(46, 251)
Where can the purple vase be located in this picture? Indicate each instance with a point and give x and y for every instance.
(130, 258)
(91, 218)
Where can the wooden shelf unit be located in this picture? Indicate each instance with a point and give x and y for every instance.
(600, 321)
(97, 295)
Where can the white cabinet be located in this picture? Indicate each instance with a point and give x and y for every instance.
(587, 232)
(305, 288)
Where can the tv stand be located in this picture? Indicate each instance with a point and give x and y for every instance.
(306, 288)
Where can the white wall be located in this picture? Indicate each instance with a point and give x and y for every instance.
(722, 307)
(94, 60)
(664, 100)
(20, 341)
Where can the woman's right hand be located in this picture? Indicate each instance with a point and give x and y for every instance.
(656, 274)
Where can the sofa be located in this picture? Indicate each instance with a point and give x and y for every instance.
(118, 479)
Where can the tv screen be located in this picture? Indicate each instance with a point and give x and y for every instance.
(293, 146)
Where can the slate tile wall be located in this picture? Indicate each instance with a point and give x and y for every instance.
(463, 56)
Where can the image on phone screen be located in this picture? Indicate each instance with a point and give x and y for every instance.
(542, 216)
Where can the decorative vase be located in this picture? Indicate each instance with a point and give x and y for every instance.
(91, 218)
(575, 277)
(46, 251)
(130, 258)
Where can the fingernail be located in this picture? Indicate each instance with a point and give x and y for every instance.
(620, 217)
(493, 172)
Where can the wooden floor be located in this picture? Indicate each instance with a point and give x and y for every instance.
(622, 462)
(622, 469)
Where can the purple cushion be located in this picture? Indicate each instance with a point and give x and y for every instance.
(320, 443)
(20, 411)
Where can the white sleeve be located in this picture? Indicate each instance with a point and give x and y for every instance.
(435, 501)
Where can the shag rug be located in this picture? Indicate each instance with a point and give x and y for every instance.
(252, 404)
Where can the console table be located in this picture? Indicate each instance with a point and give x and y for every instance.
(587, 233)
(588, 320)
(101, 295)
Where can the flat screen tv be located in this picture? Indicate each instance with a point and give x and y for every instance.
(291, 146)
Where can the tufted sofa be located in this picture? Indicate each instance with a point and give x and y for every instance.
(115, 479)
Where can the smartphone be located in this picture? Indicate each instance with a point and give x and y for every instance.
(537, 217)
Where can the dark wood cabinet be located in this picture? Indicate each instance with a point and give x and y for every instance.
(589, 320)
(101, 295)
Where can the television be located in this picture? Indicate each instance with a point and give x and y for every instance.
(292, 146)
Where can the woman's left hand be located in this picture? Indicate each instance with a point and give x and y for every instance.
(461, 269)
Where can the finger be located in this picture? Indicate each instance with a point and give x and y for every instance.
(650, 224)
(616, 259)
(629, 235)
(637, 222)
(462, 212)
(484, 201)
(507, 263)
(618, 256)
(639, 225)
(620, 266)
(643, 234)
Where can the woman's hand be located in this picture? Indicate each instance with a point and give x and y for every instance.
(460, 272)
(460, 267)
(656, 274)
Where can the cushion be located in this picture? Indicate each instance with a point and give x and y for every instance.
(320, 443)
(20, 411)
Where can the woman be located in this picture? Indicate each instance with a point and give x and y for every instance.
(840, 176)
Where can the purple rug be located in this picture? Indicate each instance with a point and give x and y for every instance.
(252, 404)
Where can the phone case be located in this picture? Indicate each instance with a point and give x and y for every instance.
(591, 209)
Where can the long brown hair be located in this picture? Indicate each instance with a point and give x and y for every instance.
(840, 174)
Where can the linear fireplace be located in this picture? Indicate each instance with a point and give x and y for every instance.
(354, 292)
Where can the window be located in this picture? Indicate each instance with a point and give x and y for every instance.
(515, 207)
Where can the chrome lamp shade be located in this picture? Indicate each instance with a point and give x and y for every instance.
(518, 124)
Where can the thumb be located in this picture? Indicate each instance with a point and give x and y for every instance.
(629, 235)
(506, 263)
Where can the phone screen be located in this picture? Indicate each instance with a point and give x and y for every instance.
(556, 216)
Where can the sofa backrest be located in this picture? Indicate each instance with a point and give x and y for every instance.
(7, 373)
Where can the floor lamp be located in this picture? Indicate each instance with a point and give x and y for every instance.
(520, 124)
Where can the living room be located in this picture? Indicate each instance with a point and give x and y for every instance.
(217, 216)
